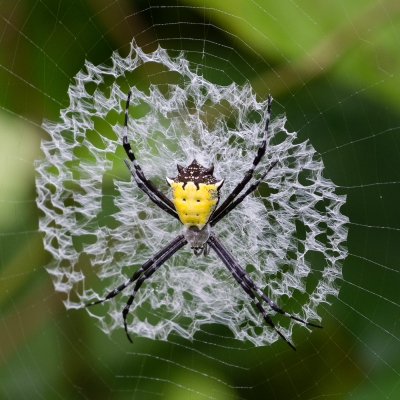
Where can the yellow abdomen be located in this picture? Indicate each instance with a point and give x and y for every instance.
(194, 206)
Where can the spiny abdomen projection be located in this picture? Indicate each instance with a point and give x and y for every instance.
(195, 193)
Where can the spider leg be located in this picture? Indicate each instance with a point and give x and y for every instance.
(227, 259)
(234, 204)
(240, 273)
(127, 147)
(159, 258)
(152, 197)
(249, 174)
(243, 275)
(150, 271)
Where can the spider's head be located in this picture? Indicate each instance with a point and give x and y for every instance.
(195, 193)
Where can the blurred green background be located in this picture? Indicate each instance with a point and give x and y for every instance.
(334, 69)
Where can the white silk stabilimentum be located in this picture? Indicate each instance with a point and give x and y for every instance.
(99, 227)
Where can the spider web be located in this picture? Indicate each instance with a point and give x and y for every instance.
(320, 236)
(175, 124)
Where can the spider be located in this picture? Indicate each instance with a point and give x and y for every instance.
(195, 192)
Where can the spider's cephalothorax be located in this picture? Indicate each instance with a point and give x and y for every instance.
(195, 193)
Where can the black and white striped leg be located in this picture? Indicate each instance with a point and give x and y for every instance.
(127, 147)
(150, 271)
(159, 258)
(226, 258)
(152, 197)
(234, 204)
(244, 279)
(250, 172)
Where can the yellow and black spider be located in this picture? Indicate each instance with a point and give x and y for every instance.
(195, 193)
